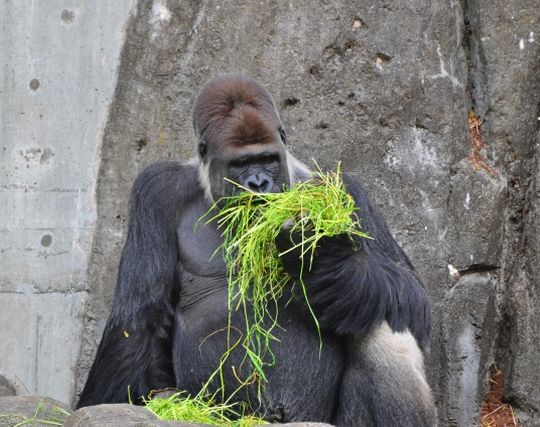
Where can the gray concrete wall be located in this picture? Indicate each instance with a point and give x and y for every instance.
(58, 67)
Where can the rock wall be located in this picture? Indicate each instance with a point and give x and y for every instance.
(384, 87)
(58, 66)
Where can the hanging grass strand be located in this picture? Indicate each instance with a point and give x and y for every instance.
(250, 223)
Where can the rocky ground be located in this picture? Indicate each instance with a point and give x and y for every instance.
(42, 412)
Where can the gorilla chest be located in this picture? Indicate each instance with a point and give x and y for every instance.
(203, 273)
(199, 243)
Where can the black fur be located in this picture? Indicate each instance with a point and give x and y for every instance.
(354, 286)
(169, 314)
(135, 350)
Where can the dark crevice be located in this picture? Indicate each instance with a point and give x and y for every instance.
(315, 70)
(322, 125)
(538, 118)
(472, 45)
(141, 143)
(349, 45)
(383, 57)
(503, 346)
(479, 269)
(418, 124)
(289, 102)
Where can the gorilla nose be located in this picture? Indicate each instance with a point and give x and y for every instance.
(258, 183)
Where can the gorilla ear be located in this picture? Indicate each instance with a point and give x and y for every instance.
(202, 149)
(282, 134)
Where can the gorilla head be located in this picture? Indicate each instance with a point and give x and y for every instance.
(240, 138)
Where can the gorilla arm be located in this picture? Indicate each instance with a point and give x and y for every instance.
(354, 287)
(135, 350)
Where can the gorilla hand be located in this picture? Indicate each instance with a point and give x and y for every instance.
(337, 289)
(330, 252)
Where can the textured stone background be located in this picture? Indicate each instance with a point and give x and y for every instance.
(383, 86)
(58, 62)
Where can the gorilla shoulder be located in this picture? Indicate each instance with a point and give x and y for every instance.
(164, 184)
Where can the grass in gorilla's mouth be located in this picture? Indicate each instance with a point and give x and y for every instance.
(250, 223)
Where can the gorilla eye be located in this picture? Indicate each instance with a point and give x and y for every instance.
(282, 134)
(202, 149)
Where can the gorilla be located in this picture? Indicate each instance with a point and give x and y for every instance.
(167, 325)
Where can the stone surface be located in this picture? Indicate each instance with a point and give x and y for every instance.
(7, 388)
(509, 67)
(39, 349)
(468, 323)
(521, 342)
(58, 67)
(41, 411)
(31, 410)
(111, 415)
(476, 202)
(129, 415)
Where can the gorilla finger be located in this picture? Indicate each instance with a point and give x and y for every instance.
(337, 244)
(289, 240)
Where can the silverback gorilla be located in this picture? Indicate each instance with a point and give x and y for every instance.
(169, 313)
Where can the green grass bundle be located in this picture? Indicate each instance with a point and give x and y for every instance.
(180, 407)
(250, 223)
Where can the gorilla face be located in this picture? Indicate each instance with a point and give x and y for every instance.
(259, 168)
(240, 138)
(259, 172)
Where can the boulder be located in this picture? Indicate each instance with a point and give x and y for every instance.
(7, 388)
(32, 410)
(130, 415)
